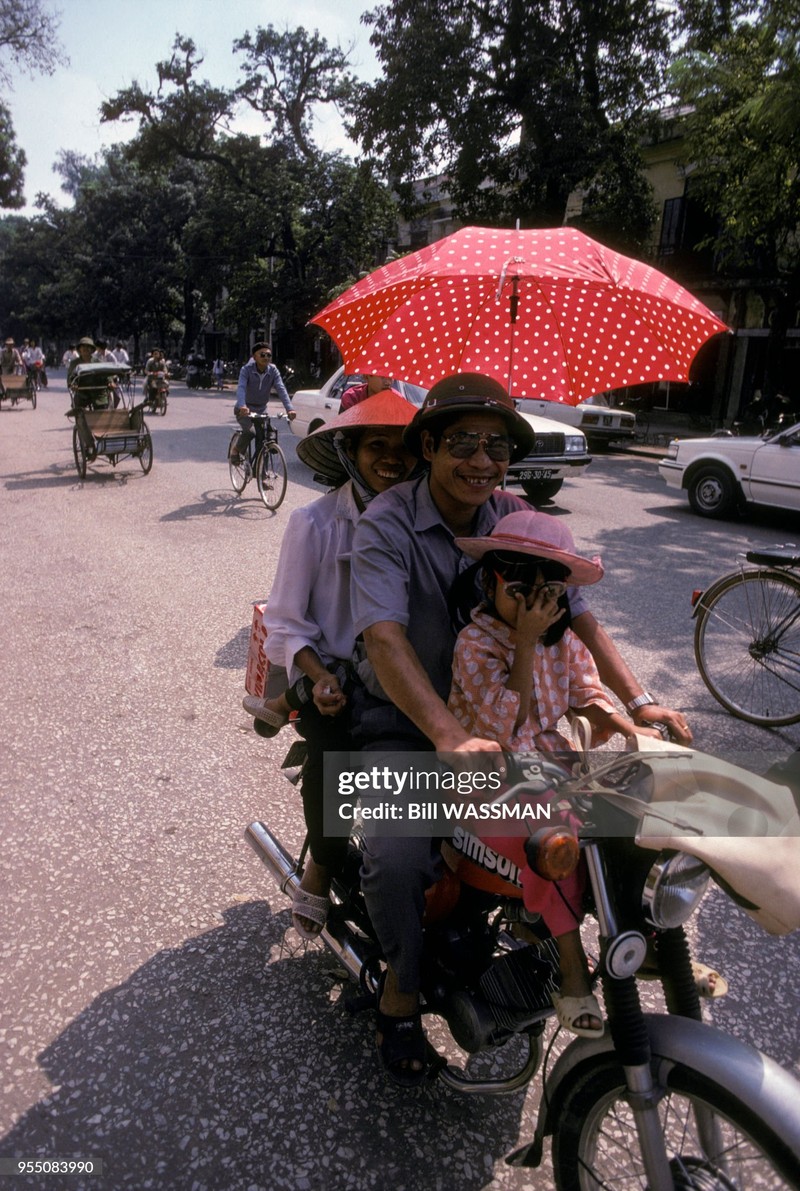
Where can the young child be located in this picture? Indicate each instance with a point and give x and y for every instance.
(517, 670)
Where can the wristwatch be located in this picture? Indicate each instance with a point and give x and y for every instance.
(643, 700)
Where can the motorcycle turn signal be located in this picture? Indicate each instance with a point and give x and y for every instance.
(552, 853)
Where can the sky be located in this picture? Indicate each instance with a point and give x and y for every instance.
(112, 42)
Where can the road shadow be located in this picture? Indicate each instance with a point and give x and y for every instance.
(224, 503)
(233, 654)
(58, 476)
(228, 1062)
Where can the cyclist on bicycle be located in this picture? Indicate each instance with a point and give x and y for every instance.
(257, 379)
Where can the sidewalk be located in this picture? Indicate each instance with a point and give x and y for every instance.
(655, 430)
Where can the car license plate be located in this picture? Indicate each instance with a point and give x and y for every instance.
(536, 473)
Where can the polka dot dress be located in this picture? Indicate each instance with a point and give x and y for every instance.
(549, 313)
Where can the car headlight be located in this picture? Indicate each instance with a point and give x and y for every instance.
(575, 443)
(673, 889)
(672, 449)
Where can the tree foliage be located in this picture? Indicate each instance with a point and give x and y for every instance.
(28, 43)
(270, 226)
(740, 77)
(28, 39)
(287, 75)
(516, 101)
(12, 163)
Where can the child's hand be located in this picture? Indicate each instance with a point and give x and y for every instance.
(535, 615)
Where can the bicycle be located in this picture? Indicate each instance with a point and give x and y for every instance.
(747, 638)
(264, 459)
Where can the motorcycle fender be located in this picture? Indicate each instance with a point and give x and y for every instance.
(718, 1056)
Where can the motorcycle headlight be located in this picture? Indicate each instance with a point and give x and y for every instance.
(673, 889)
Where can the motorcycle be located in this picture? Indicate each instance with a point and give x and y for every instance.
(660, 1101)
(156, 392)
(38, 374)
(198, 375)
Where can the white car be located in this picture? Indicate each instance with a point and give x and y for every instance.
(600, 421)
(558, 451)
(315, 407)
(723, 473)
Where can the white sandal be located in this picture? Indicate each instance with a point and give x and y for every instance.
(313, 908)
(258, 709)
(570, 1009)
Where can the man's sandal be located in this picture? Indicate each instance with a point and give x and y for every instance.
(402, 1042)
(572, 1009)
(311, 907)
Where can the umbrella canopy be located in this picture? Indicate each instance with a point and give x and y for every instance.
(549, 313)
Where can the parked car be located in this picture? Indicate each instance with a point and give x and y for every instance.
(315, 407)
(599, 420)
(557, 452)
(725, 473)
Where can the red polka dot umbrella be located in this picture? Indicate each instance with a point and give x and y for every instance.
(549, 313)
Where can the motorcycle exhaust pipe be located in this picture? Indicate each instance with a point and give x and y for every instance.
(335, 934)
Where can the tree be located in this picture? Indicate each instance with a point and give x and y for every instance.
(517, 102)
(741, 80)
(28, 42)
(270, 225)
(12, 163)
(28, 39)
(287, 75)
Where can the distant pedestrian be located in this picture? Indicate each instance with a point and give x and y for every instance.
(102, 354)
(120, 354)
(218, 372)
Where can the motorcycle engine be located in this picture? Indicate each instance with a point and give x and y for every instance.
(513, 992)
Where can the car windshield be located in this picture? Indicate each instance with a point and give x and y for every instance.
(414, 394)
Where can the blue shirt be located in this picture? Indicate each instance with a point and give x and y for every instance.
(404, 563)
(255, 387)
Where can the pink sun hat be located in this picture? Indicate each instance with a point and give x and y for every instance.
(540, 536)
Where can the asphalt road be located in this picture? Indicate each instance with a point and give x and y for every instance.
(154, 1012)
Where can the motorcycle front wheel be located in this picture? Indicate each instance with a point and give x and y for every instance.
(715, 1141)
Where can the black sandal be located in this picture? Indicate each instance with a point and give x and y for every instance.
(403, 1042)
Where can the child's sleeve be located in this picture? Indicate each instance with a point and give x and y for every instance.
(479, 697)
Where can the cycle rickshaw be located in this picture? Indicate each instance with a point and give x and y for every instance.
(104, 424)
(15, 387)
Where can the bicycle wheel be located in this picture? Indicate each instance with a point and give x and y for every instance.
(715, 1139)
(747, 645)
(271, 474)
(145, 452)
(240, 472)
(79, 453)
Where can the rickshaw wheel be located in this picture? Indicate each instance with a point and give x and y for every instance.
(162, 404)
(146, 453)
(32, 395)
(79, 453)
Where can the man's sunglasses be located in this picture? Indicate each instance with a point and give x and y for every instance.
(464, 443)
